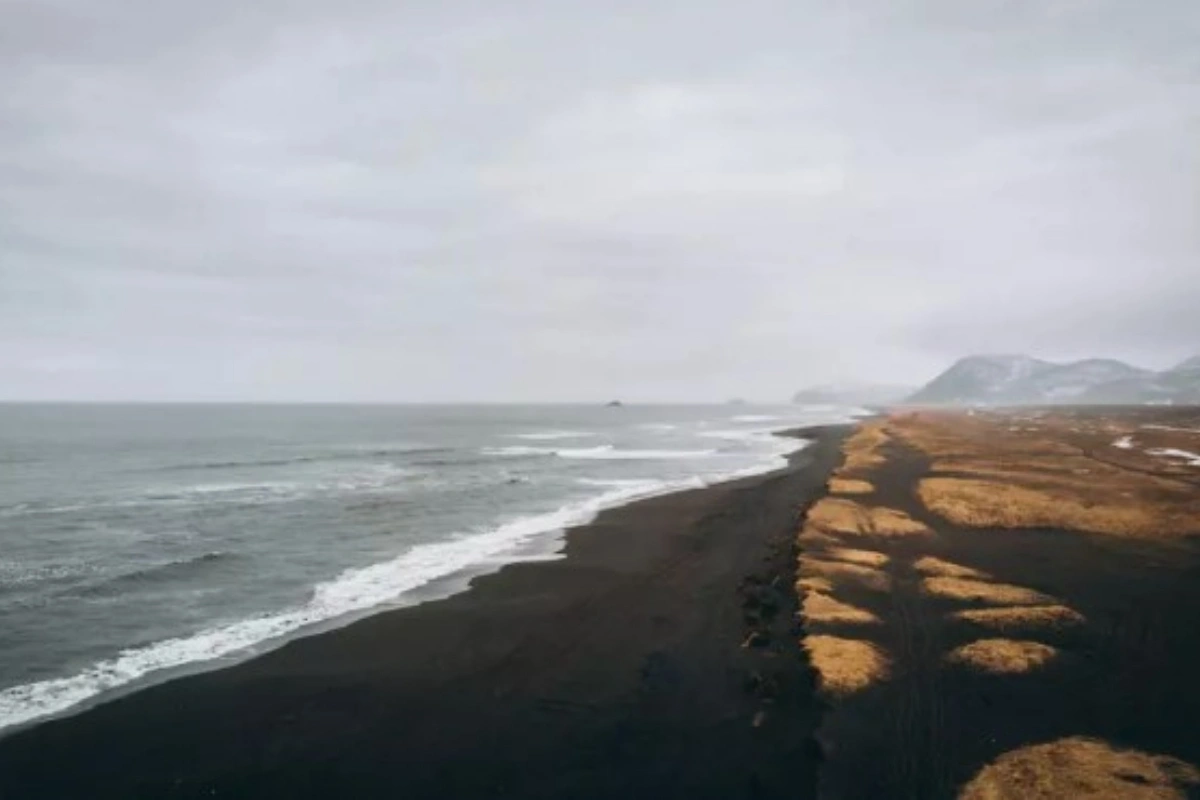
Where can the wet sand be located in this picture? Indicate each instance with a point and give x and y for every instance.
(659, 658)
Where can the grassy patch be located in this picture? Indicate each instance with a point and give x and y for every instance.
(842, 516)
(862, 449)
(839, 572)
(812, 537)
(1007, 619)
(813, 584)
(1003, 656)
(1081, 768)
(1007, 470)
(983, 592)
(818, 607)
(868, 558)
(850, 486)
(929, 565)
(846, 666)
(996, 504)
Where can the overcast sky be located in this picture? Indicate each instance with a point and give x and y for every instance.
(373, 200)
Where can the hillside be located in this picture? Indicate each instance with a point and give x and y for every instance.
(1021, 380)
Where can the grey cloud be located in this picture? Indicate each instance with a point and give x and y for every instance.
(372, 201)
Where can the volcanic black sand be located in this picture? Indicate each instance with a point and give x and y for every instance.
(1129, 676)
(658, 659)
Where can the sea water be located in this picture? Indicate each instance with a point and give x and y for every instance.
(140, 540)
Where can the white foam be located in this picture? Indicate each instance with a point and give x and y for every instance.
(353, 591)
(605, 452)
(548, 436)
(614, 454)
(1124, 443)
(755, 418)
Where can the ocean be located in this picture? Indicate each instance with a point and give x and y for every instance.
(141, 541)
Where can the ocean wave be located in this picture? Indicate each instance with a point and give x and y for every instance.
(17, 574)
(547, 436)
(170, 570)
(350, 454)
(602, 453)
(755, 418)
(353, 591)
(367, 478)
(610, 482)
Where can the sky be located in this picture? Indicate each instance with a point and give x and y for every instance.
(530, 200)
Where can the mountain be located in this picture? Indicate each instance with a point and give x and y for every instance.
(1021, 380)
(852, 395)
(988, 379)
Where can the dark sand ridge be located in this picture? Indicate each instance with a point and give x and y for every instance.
(1076, 675)
(658, 659)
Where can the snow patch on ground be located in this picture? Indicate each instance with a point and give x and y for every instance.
(1192, 459)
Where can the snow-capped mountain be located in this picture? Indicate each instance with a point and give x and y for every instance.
(1021, 380)
(986, 379)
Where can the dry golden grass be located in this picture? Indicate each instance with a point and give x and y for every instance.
(1081, 769)
(1003, 656)
(812, 537)
(929, 565)
(995, 504)
(981, 591)
(850, 486)
(841, 516)
(868, 558)
(863, 446)
(1055, 470)
(846, 666)
(813, 584)
(840, 572)
(1007, 619)
(893, 522)
(818, 607)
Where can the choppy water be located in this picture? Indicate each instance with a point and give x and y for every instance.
(139, 540)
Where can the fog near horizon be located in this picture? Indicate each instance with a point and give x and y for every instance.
(523, 201)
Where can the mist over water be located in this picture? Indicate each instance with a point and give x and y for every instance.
(140, 539)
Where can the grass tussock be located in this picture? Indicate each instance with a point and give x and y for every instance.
(841, 516)
(867, 558)
(995, 504)
(930, 565)
(1081, 768)
(814, 584)
(850, 486)
(983, 592)
(862, 449)
(846, 666)
(839, 572)
(818, 607)
(1003, 656)
(1024, 617)
(812, 537)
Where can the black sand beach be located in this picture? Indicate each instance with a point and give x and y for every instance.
(1127, 676)
(657, 659)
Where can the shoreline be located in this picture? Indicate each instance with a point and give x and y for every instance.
(283, 719)
(539, 546)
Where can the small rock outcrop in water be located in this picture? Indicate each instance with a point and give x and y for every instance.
(615, 404)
